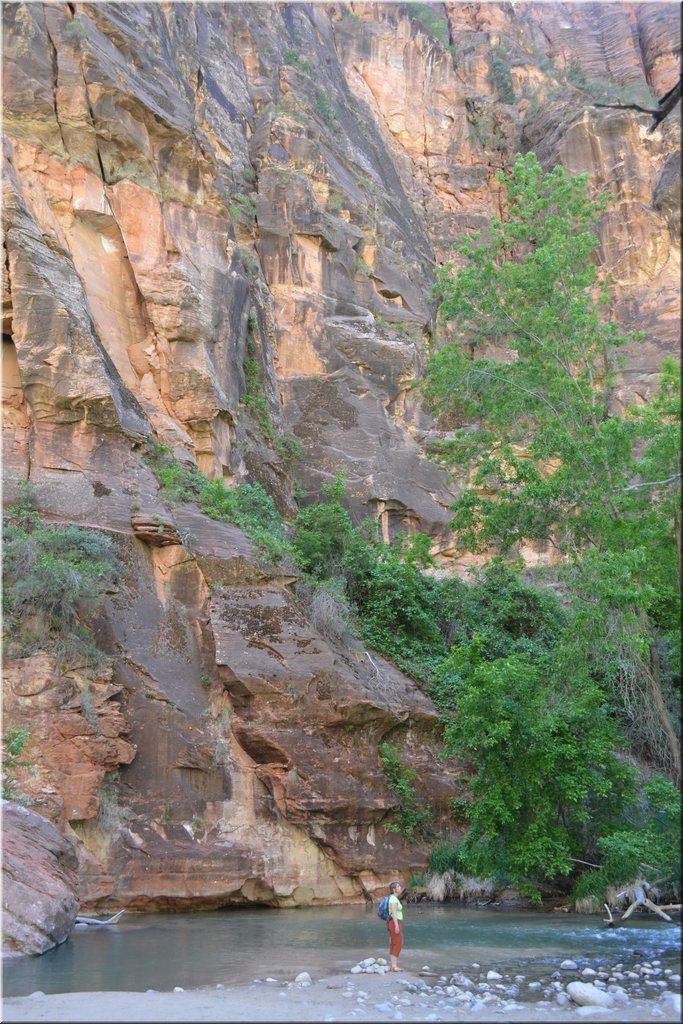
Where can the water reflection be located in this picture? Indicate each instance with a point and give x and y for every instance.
(191, 950)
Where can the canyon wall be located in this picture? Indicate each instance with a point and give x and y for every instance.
(190, 186)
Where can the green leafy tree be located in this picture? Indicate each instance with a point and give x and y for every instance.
(646, 846)
(528, 378)
(542, 760)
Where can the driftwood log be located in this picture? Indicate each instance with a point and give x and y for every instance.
(639, 896)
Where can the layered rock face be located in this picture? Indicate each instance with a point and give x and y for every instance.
(190, 187)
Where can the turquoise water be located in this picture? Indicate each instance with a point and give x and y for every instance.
(161, 951)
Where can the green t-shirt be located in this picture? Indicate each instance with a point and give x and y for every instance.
(394, 901)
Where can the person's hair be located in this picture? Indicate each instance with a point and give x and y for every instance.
(393, 886)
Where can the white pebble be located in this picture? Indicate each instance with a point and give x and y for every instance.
(178, 989)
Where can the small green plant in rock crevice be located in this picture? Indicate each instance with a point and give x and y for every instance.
(499, 75)
(294, 59)
(431, 17)
(254, 399)
(409, 820)
(14, 742)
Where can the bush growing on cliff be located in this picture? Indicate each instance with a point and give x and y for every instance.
(399, 610)
(323, 532)
(250, 507)
(178, 484)
(411, 820)
(14, 742)
(51, 575)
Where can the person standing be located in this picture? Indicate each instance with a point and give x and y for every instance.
(395, 924)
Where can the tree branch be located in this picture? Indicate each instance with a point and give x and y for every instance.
(653, 483)
(664, 105)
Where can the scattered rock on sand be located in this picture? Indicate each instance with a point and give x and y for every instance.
(586, 994)
(671, 1001)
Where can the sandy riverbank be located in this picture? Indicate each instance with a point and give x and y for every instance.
(330, 999)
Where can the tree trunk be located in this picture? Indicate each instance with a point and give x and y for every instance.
(655, 688)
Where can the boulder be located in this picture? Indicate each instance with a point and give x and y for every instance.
(586, 994)
(671, 1001)
(39, 883)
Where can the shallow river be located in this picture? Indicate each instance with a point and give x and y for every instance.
(161, 951)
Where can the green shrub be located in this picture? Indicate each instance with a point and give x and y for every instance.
(50, 575)
(242, 206)
(250, 507)
(397, 604)
(294, 59)
(445, 856)
(649, 847)
(410, 820)
(14, 742)
(177, 483)
(499, 75)
(431, 17)
(322, 533)
(289, 448)
(325, 109)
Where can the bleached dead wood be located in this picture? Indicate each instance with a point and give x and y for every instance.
(642, 900)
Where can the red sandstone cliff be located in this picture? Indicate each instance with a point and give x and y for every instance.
(175, 173)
